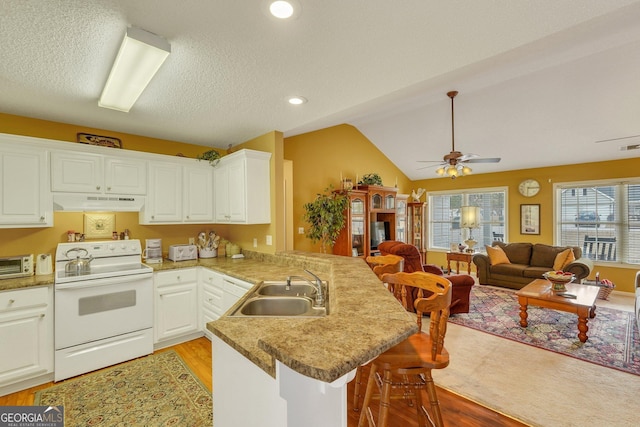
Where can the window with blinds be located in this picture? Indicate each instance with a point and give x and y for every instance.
(603, 219)
(444, 217)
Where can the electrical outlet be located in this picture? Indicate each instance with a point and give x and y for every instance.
(255, 242)
(300, 230)
(192, 241)
(269, 240)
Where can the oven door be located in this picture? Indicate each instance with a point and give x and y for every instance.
(91, 310)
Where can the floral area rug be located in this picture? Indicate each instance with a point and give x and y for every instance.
(156, 390)
(613, 341)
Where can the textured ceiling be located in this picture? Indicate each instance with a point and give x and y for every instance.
(546, 79)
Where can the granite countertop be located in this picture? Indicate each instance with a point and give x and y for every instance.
(26, 282)
(364, 318)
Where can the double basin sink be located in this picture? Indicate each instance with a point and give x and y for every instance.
(279, 299)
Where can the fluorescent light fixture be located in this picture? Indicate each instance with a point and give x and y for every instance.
(140, 57)
(297, 100)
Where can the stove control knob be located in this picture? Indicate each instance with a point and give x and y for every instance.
(112, 247)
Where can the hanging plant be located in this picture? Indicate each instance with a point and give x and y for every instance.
(212, 156)
(370, 179)
(325, 216)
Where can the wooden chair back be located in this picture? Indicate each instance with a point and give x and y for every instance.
(599, 248)
(389, 264)
(437, 303)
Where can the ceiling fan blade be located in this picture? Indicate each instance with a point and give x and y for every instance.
(467, 157)
(483, 160)
(429, 161)
(431, 166)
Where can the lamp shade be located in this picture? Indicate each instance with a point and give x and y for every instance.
(470, 217)
(140, 56)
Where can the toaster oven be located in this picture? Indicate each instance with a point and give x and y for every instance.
(16, 266)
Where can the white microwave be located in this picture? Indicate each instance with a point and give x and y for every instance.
(16, 266)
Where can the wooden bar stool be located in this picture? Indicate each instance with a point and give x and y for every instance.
(403, 371)
(389, 264)
(381, 265)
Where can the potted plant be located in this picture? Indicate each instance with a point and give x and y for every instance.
(325, 216)
(370, 179)
(212, 156)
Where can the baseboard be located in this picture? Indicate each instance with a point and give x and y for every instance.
(25, 384)
(177, 340)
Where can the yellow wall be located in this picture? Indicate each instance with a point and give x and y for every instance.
(318, 160)
(44, 240)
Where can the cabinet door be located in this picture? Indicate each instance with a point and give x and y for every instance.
(25, 199)
(237, 192)
(125, 176)
(26, 334)
(164, 199)
(76, 172)
(176, 310)
(221, 193)
(198, 194)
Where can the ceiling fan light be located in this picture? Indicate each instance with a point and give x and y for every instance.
(440, 171)
(466, 170)
(452, 171)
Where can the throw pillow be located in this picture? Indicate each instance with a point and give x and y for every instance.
(563, 259)
(497, 255)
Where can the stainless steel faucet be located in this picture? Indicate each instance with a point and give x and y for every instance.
(317, 283)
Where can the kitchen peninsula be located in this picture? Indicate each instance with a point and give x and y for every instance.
(293, 371)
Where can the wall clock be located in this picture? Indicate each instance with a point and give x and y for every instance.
(529, 187)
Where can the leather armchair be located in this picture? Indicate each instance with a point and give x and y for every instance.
(461, 283)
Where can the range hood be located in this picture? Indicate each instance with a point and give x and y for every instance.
(72, 202)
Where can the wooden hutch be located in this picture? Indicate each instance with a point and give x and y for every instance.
(416, 227)
(370, 219)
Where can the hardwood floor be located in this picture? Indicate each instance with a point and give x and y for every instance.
(456, 410)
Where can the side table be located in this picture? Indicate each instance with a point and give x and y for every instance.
(459, 257)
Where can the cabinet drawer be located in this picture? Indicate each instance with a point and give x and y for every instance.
(175, 276)
(11, 300)
(212, 300)
(212, 278)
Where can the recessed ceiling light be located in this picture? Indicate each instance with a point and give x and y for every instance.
(297, 100)
(281, 9)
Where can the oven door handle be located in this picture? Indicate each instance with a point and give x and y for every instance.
(101, 282)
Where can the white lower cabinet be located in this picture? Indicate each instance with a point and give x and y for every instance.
(176, 306)
(211, 298)
(26, 336)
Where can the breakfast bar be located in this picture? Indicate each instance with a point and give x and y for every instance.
(294, 371)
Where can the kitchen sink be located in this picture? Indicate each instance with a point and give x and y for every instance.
(273, 299)
(299, 288)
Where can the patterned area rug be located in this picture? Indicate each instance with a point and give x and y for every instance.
(613, 341)
(156, 390)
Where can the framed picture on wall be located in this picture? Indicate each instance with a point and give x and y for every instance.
(529, 219)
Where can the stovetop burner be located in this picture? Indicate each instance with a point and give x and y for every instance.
(110, 259)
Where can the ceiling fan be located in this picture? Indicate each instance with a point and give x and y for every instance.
(454, 163)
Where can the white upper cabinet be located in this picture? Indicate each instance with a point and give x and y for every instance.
(93, 173)
(198, 194)
(242, 188)
(180, 192)
(25, 199)
(164, 198)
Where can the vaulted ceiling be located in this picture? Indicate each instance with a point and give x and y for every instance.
(540, 83)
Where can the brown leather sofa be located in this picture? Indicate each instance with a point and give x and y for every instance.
(461, 283)
(527, 262)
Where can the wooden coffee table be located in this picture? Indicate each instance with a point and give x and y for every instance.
(539, 293)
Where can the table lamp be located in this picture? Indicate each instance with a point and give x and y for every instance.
(470, 218)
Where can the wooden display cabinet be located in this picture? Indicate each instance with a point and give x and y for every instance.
(401, 217)
(416, 224)
(369, 206)
(354, 237)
